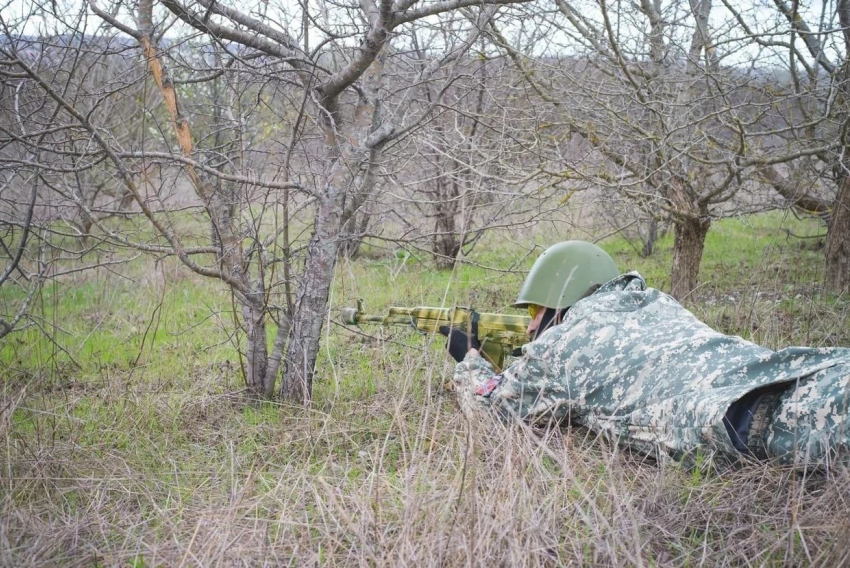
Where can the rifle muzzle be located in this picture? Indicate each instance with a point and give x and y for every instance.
(349, 316)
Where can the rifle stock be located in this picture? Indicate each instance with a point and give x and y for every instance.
(499, 334)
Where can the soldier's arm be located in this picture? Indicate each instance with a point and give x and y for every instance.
(529, 389)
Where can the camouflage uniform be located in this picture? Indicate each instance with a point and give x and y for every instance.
(634, 366)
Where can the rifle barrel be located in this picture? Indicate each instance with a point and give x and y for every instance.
(409, 316)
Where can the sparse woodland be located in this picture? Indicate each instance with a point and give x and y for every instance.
(191, 190)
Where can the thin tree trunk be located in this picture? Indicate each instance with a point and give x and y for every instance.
(651, 237)
(838, 241)
(224, 233)
(311, 304)
(126, 203)
(446, 242)
(256, 349)
(689, 241)
(352, 235)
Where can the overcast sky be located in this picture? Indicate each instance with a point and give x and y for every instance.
(762, 15)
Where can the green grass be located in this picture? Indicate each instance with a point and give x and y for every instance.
(739, 253)
(138, 450)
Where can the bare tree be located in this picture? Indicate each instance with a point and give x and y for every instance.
(18, 194)
(811, 87)
(23, 265)
(673, 116)
(275, 120)
(49, 198)
(468, 174)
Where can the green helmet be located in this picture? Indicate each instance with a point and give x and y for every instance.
(562, 275)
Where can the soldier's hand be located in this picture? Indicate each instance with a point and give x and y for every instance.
(459, 343)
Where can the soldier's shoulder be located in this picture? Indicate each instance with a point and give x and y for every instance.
(625, 293)
(631, 281)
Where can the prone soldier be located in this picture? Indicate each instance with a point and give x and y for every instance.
(631, 364)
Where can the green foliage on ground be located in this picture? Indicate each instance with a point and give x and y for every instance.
(126, 440)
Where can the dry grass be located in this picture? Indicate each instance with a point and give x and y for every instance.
(149, 456)
(175, 478)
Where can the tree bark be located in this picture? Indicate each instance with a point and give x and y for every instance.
(838, 241)
(689, 241)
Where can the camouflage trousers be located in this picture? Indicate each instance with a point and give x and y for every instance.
(810, 422)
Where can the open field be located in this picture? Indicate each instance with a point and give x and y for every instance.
(126, 440)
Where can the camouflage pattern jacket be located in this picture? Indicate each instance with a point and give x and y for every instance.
(634, 366)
